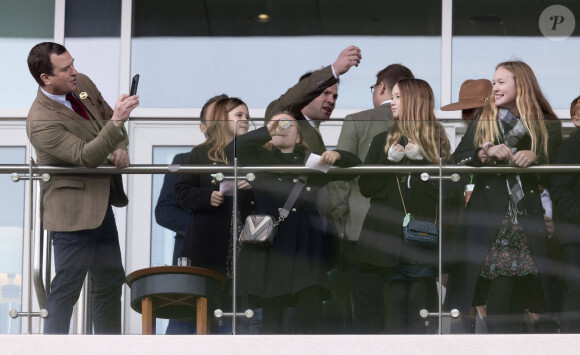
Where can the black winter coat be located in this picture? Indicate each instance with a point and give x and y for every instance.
(381, 240)
(479, 222)
(209, 232)
(299, 256)
(565, 193)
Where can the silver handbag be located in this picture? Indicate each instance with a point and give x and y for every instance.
(259, 229)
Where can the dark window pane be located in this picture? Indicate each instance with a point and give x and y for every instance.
(27, 18)
(169, 18)
(504, 17)
(89, 18)
(289, 18)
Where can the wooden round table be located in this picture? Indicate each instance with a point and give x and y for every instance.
(175, 292)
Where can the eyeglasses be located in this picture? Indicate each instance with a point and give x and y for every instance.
(373, 88)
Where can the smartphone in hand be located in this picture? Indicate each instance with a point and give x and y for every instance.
(134, 85)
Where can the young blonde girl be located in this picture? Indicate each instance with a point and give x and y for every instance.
(415, 138)
(502, 237)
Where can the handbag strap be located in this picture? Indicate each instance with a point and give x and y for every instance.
(401, 194)
(298, 186)
(403, 200)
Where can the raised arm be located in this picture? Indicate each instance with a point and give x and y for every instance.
(306, 90)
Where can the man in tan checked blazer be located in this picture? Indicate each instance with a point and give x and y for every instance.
(79, 130)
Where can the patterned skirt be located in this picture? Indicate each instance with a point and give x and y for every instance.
(510, 253)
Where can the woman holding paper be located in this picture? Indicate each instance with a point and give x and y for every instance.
(415, 138)
(208, 242)
(293, 271)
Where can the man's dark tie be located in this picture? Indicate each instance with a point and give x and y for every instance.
(77, 106)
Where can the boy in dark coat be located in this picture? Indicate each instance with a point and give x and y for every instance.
(565, 193)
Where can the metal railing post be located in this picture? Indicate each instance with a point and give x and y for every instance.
(83, 317)
(235, 246)
(440, 272)
(29, 237)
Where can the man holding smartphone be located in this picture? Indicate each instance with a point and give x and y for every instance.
(70, 124)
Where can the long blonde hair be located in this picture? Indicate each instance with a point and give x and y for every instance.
(218, 132)
(417, 121)
(531, 104)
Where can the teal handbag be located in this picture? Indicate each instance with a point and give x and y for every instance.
(423, 233)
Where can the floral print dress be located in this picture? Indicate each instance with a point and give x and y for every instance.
(510, 253)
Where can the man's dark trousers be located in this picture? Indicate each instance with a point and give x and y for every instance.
(75, 253)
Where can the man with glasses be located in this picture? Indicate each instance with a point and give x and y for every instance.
(349, 207)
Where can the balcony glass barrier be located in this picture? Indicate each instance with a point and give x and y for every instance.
(339, 263)
(501, 255)
(12, 241)
(169, 221)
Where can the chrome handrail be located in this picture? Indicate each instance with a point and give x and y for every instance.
(39, 244)
(188, 169)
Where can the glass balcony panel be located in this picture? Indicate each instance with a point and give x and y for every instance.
(11, 239)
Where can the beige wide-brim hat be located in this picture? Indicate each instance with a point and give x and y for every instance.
(472, 94)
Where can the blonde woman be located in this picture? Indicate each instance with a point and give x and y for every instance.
(501, 241)
(207, 241)
(415, 138)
